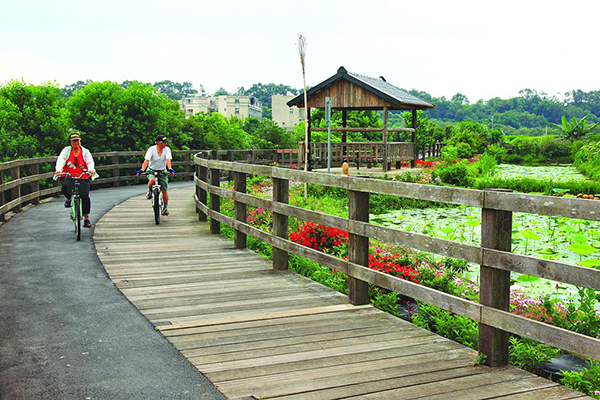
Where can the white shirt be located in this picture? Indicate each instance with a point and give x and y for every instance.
(156, 162)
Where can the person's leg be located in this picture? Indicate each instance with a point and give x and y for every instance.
(67, 189)
(164, 184)
(86, 203)
(165, 194)
(151, 180)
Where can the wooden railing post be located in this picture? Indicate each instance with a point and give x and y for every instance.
(203, 176)
(230, 158)
(239, 185)
(358, 246)
(281, 194)
(215, 201)
(116, 171)
(2, 197)
(187, 157)
(496, 233)
(35, 185)
(15, 193)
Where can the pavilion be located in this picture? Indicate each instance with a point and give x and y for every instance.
(352, 91)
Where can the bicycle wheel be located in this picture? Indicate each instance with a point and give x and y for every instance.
(77, 219)
(156, 205)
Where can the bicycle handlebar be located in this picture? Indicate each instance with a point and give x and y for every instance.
(68, 174)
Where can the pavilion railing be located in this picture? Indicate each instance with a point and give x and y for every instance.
(362, 153)
(493, 255)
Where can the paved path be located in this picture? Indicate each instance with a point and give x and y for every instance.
(66, 332)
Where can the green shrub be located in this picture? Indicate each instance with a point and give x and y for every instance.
(486, 165)
(498, 152)
(539, 149)
(587, 160)
(587, 381)
(526, 353)
(459, 174)
(529, 185)
(452, 326)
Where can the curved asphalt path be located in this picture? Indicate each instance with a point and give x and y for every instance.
(66, 332)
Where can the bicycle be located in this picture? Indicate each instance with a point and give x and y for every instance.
(76, 211)
(156, 191)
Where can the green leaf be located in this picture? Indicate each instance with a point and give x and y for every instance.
(579, 237)
(593, 263)
(582, 249)
(473, 223)
(528, 278)
(529, 234)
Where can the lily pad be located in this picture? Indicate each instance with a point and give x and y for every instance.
(593, 263)
(582, 249)
(528, 278)
(529, 234)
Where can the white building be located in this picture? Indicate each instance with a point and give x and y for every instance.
(239, 106)
(227, 105)
(196, 104)
(286, 117)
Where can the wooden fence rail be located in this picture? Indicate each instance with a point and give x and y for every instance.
(493, 255)
(20, 179)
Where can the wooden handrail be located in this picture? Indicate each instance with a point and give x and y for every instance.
(495, 320)
(14, 178)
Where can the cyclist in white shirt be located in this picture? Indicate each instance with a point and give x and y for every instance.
(158, 158)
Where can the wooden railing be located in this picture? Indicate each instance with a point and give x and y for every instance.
(494, 256)
(24, 182)
(362, 153)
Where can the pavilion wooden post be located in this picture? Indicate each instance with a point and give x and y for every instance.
(496, 232)
(358, 246)
(344, 134)
(239, 185)
(215, 201)
(413, 162)
(384, 152)
(281, 194)
(308, 158)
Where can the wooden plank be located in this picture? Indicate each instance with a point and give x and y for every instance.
(260, 316)
(509, 388)
(481, 376)
(341, 375)
(334, 360)
(556, 392)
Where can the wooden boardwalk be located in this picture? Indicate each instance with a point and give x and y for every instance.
(277, 335)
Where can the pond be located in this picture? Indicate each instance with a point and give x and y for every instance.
(568, 240)
(557, 173)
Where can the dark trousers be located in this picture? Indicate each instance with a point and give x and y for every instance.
(84, 192)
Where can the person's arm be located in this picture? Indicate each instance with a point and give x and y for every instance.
(169, 158)
(89, 161)
(61, 161)
(144, 166)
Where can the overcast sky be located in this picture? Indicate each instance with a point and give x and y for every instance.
(481, 49)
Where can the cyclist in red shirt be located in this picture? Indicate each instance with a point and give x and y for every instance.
(75, 159)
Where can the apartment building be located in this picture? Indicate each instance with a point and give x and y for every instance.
(227, 105)
(286, 117)
(239, 106)
(196, 104)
